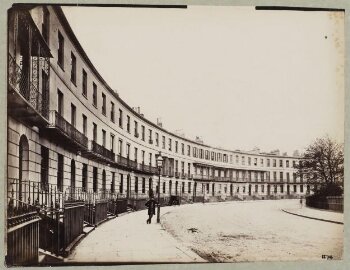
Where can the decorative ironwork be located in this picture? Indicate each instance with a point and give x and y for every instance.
(59, 122)
(99, 149)
(20, 82)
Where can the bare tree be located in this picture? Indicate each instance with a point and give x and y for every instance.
(323, 162)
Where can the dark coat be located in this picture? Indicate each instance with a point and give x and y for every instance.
(151, 204)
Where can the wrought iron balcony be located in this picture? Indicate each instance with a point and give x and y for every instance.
(126, 162)
(21, 83)
(71, 135)
(147, 168)
(100, 150)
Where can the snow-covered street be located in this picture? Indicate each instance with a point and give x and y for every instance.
(214, 232)
(254, 231)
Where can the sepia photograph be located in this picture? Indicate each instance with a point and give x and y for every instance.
(173, 134)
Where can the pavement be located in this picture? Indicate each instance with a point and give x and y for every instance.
(317, 214)
(129, 239)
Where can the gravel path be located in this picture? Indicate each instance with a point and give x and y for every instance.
(253, 231)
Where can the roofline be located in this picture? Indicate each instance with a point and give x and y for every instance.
(76, 43)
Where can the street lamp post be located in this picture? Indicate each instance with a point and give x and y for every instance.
(159, 165)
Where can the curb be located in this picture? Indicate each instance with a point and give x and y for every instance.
(326, 220)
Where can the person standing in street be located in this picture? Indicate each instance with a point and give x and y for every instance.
(151, 205)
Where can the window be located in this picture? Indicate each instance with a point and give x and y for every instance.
(136, 184)
(163, 142)
(150, 136)
(237, 159)
(103, 104)
(261, 162)
(294, 163)
(176, 146)
(73, 115)
(275, 176)
(243, 160)
(112, 143)
(94, 179)
(103, 138)
(268, 162)
(120, 147)
(121, 188)
(73, 72)
(301, 188)
(281, 176)
(182, 149)
(249, 161)
(287, 174)
(84, 177)
(294, 177)
(287, 163)
(143, 156)
(188, 150)
(189, 169)
(143, 185)
(136, 133)
(142, 132)
(150, 159)
(59, 102)
(189, 187)
(112, 111)
(128, 123)
(127, 150)
(157, 139)
(84, 124)
(274, 163)
(163, 187)
(60, 171)
(281, 163)
(60, 52)
(135, 154)
(113, 182)
(94, 94)
(170, 143)
(120, 118)
(84, 83)
(255, 161)
(94, 132)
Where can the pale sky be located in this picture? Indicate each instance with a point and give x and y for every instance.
(237, 77)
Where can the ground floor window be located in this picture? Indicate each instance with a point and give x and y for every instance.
(121, 184)
(189, 187)
(143, 185)
(301, 188)
(295, 188)
(281, 188)
(262, 188)
(163, 187)
(256, 188)
(136, 184)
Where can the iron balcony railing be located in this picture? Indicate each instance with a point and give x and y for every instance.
(183, 175)
(68, 129)
(148, 168)
(101, 150)
(126, 162)
(20, 81)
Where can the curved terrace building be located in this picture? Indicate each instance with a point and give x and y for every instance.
(70, 133)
